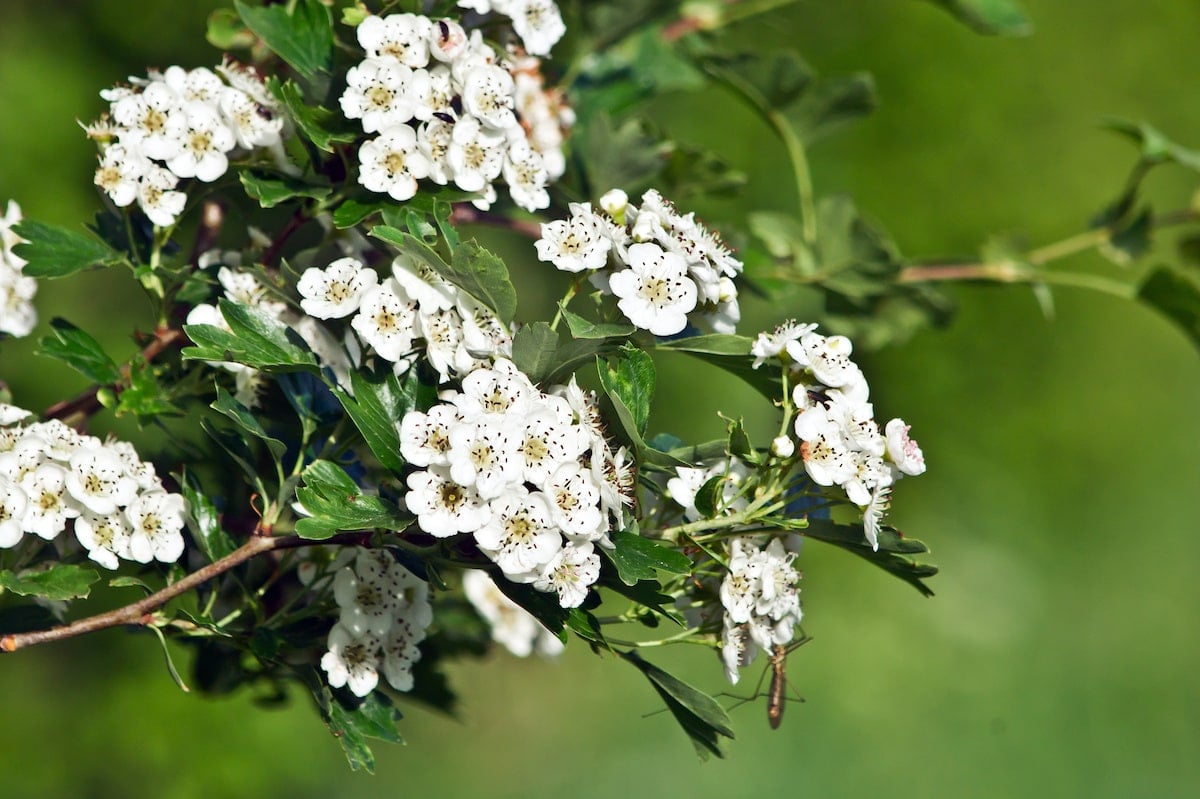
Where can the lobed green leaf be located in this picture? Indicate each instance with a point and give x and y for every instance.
(66, 581)
(335, 503)
(322, 127)
(638, 558)
(271, 190)
(52, 251)
(378, 405)
(254, 339)
(534, 349)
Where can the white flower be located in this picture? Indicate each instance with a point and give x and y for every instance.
(156, 520)
(400, 652)
(502, 389)
(365, 601)
(152, 122)
(526, 175)
(252, 123)
(443, 507)
(521, 536)
(447, 40)
(10, 414)
(18, 317)
(13, 503)
(488, 95)
(119, 173)
(443, 335)
(384, 93)
(352, 660)
(614, 202)
(575, 501)
(483, 453)
(549, 439)
(203, 145)
(569, 574)
(475, 155)
(392, 163)
(656, 292)
(513, 627)
(48, 507)
(902, 450)
(156, 198)
(403, 37)
(386, 320)
(337, 290)
(104, 536)
(97, 480)
(538, 23)
(431, 291)
(576, 244)
(425, 438)
(198, 85)
(435, 138)
(873, 514)
(827, 455)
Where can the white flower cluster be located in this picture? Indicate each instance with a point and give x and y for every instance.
(385, 611)
(50, 475)
(665, 268)
(179, 124)
(17, 314)
(538, 22)
(445, 107)
(761, 601)
(513, 627)
(415, 303)
(840, 441)
(529, 474)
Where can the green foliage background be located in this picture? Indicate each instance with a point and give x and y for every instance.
(1059, 655)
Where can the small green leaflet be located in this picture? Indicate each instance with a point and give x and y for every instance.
(52, 251)
(534, 348)
(638, 558)
(80, 351)
(628, 379)
(204, 521)
(319, 125)
(271, 190)
(1176, 295)
(377, 407)
(57, 582)
(375, 717)
(587, 329)
(248, 422)
(336, 503)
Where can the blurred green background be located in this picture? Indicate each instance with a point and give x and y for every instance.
(1060, 655)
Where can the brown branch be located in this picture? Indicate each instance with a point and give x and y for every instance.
(270, 258)
(212, 219)
(88, 403)
(140, 613)
(463, 213)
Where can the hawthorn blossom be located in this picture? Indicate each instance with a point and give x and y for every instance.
(392, 163)
(352, 660)
(575, 244)
(156, 520)
(385, 320)
(655, 292)
(337, 290)
(512, 626)
(570, 573)
(444, 507)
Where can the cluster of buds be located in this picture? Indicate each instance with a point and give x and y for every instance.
(446, 107)
(179, 124)
(666, 269)
(52, 477)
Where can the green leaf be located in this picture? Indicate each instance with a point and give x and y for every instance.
(1176, 295)
(473, 269)
(235, 446)
(587, 329)
(302, 37)
(709, 497)
(52, 251)
(740, 444)
(271, 190)
(629, 155)
(318, 124)
(990, 17)
(374, 717)
(57, 582)
(336, 503)
(639, 558)
(254, 338)
(352, 212)
(377, 407)
(1131, 240)
(533, 350)
(700, 716)
(80, 351)
(204, 521)
(629, 383)
(893, 547)
(243, 418)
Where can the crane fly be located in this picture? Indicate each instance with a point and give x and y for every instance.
(777, 696)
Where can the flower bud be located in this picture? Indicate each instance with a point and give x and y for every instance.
(783, 447)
